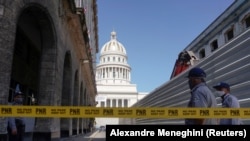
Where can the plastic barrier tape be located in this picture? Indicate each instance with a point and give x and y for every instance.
(131, 112)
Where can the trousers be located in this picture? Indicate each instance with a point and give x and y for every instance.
(20, 132)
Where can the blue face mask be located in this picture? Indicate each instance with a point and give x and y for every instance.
(19, 100)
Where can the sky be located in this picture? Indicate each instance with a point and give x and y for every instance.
(154, 32)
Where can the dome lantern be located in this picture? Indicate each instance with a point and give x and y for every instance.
(113, 35)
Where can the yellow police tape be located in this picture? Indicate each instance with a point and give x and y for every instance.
(131, 112)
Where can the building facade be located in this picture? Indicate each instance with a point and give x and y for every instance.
(48, 48)
(113, 80)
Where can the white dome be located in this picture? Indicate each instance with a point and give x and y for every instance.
(113, 68)
(113, 46)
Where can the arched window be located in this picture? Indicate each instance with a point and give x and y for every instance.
(108, 102)
(246, 21)
(229, 34)
(214, 45)
(202, 53)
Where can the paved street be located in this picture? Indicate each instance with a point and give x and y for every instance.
(94, 136)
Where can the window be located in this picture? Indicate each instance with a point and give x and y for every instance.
(119, 103)
(114, 103)
(229, 34)
(108, 102)
(114, 74)
(214, 45)
(247, 22)
(125, 103)
(114, 59)
(79, 3)
(202, 53)
(102, 104)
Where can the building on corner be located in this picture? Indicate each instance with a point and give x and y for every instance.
(48, 49)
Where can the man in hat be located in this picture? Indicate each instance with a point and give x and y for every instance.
(228, 101)
(201, 96)
(16, 125)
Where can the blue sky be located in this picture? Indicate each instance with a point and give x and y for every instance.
(154, 32)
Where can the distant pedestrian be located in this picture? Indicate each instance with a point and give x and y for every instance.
(201, 96)
(16, 125)
(228, 101)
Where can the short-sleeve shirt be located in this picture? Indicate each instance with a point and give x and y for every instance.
(201, 96)
(230, 101)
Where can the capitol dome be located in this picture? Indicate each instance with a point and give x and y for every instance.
(113, 67)
(113, 45)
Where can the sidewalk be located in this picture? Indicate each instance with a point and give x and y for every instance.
(85, 137)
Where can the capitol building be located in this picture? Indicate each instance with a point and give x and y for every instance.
(113, 80)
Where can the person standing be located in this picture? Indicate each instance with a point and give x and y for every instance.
(16, 125)
(228, 101)
(201, 96)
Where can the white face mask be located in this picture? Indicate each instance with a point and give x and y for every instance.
(219, 93)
